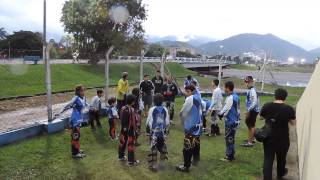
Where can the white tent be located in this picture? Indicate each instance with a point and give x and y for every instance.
(308, 129)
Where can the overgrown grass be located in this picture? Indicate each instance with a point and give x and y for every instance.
(48, 156)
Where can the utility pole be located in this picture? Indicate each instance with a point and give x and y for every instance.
(163, 58)
(263, 72)
(106, 73)
(220, 68)
(9, 50)
(141, 64)
(47, 63)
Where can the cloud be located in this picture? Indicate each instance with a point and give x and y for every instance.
(292, 19)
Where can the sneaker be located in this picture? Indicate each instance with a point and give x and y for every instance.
(124, 158)
(182, 168)
(245, 141)
(153, 168)
(226, 159)
(135, 163)
(81, 151)
(247, 144)
(78, 156)
(209, 134)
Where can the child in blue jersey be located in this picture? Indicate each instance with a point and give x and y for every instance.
(253, 109)
(206, 104)
(113, 117)
(77, 104)
(191, 117)
(158, 120)
(188, 81)
(231, 114)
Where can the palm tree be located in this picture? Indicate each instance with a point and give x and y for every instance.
(3, 34)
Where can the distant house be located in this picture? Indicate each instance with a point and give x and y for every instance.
(174, 49)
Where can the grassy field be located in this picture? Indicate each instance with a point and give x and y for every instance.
(48, 157)
(17, 80)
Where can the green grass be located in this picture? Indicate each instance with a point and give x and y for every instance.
(17, 80)
(48, 157)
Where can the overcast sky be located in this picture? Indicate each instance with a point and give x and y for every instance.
(294, 20)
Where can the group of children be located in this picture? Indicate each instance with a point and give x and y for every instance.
(193, 117)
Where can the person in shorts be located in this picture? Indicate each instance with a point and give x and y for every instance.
(146, 88)
(253, 109)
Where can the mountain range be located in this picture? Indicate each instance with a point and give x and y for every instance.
(237, 45)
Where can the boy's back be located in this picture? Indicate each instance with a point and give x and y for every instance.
(158, 120)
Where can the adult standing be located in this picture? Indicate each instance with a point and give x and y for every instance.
(147, 89)
(170, 91)
(253, 109)
(122, 90)
(215, 108)
(157, 82)
(278, 115)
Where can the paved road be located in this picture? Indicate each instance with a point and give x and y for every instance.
(283, 78)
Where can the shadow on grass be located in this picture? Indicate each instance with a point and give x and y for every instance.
(100, 137)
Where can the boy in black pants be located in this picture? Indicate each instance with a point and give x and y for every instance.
(128, 132)
(158, 121)
(170, 91)
(95, 108)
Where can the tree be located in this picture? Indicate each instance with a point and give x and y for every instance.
(185, 54)
(3, 34)
(155, 50)
(94, 29)
(23, 43)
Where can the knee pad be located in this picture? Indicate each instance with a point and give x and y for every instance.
(187, 144)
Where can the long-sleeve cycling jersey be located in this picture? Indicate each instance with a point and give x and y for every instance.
(216, 101)
(252, 100)
(191, 115)
(77, 104)
(231, 110)
(158, 120)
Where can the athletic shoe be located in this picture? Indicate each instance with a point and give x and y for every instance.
(124, 158)
(226, 159)
(78, 156)
(135, 163)
(247, 144)
(209, 134)
(81, 151)
(182, 168)
(153, 168)
(245, 141)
